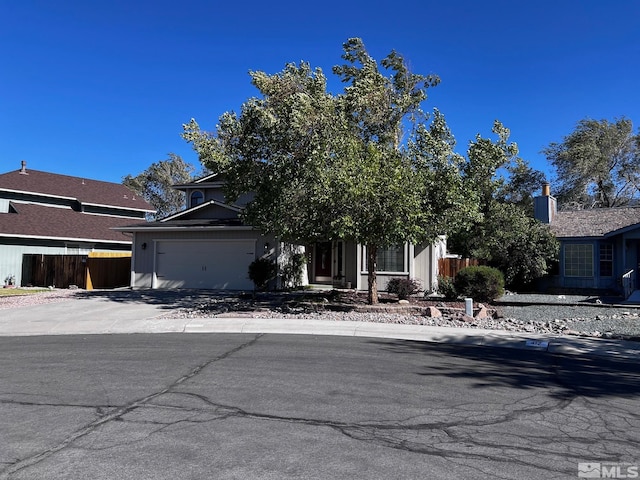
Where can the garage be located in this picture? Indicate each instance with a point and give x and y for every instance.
(207, 264)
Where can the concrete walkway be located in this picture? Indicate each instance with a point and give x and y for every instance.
(127, 314)
(634, 298)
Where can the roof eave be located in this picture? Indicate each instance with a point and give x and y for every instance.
(39, 194)
(118, 207)
(200, 207)
(207, 180)
(620, 231)
(65, 239)
(180, 228)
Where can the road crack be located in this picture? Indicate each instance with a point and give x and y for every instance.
(114, 415)
(448, 439)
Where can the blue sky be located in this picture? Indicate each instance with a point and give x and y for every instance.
(101, 89)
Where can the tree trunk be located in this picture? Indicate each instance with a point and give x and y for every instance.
(372, 266)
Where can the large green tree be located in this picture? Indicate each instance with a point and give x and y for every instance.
(521, 247)
(506, 236)
(155, 184)
(519, 184)
(598, 164)
(326, 167)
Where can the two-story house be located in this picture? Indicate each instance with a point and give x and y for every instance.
(208, 246)
(44, 213)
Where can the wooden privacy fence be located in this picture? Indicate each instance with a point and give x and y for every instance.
(53, 270)
(449, 267)
(108, 270)
(96, 270)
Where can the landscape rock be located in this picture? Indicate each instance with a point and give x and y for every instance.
(466, 318)
(432, 312)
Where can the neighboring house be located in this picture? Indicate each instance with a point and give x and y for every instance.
(599, 247)
(50, 214)
(208, 246)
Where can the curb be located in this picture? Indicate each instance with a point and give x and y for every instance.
(618, 349)
(614, 349)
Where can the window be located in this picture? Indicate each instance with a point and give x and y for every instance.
(390, 259)
(606, 260)
(196, 198)
(578, 260)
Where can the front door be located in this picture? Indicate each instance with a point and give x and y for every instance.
(323, 261)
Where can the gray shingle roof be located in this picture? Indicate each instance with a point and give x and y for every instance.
(596, 222)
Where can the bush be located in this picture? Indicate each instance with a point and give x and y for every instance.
(446, 288)
(261, 271)
(481, 283)
(403, 287)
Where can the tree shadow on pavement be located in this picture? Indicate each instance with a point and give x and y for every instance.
(566, 376)
(214, 302)
(170, 299)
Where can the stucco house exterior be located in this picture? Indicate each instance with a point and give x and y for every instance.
(599, 247)
(50, 214)
(208, 246)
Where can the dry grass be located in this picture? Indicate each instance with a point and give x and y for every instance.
(10, 292)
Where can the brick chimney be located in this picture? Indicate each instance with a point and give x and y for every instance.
(545, 206)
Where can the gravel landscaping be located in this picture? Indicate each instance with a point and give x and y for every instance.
(36, 298)
(557, 315)
(544, 314)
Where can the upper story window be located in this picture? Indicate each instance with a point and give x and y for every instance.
(196, 198)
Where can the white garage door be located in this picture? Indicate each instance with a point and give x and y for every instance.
(214, 264)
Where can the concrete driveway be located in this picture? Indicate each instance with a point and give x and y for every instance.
(108, 311)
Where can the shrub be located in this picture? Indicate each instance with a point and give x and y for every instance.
(446, 288)
(261, 271)
(403, 287)
(481, 283)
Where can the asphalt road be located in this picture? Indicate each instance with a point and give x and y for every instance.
(221, 406)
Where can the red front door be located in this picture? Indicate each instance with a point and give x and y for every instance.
(322, 262)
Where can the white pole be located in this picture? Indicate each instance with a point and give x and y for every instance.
(468, 306)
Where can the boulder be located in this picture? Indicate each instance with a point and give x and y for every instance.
(481, 312)
(432, 312)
